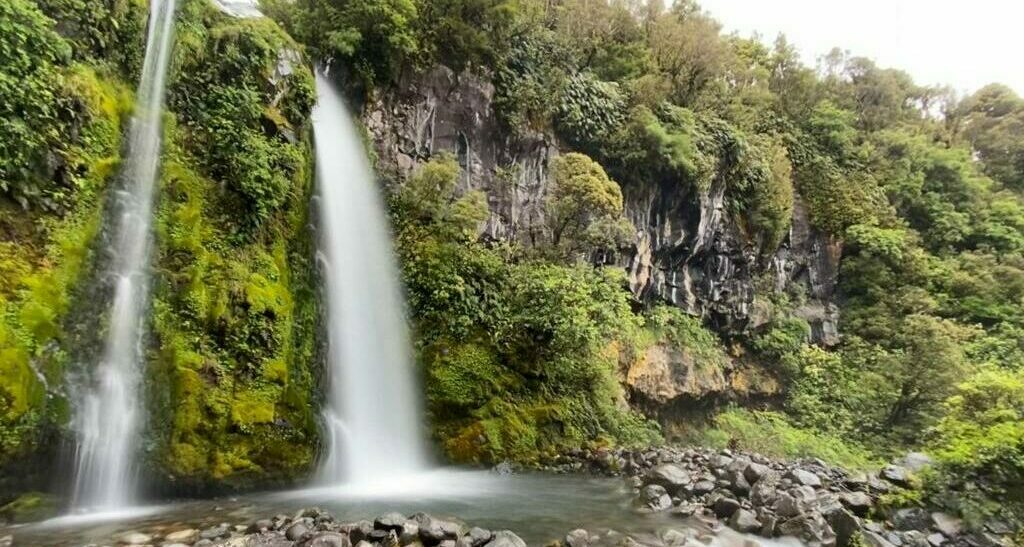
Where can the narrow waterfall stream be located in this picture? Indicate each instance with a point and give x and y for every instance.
(373, 412)
(107, 412)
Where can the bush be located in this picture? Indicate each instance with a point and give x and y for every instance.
(771, 434)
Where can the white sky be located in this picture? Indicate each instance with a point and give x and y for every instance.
(966, 44)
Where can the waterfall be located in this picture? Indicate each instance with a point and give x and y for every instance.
(372, 416)
(107, 411)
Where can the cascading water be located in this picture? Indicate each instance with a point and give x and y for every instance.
(107, 411)
(373, 408)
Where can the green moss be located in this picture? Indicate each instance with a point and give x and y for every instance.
(30, 507)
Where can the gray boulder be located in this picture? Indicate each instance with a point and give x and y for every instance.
(328, 539)
(655, 498)
(670, 476)
(804, 478)
(858, 502)
(506, 538)
(947, 524)
(725, 507)
(744, 521)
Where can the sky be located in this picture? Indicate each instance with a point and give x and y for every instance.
(966, 44)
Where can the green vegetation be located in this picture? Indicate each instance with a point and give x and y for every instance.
(61, 145)
(519, 354)
(233, 307)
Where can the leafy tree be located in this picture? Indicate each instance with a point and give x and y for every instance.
(584, 207)
(686, 48)
(993, 122)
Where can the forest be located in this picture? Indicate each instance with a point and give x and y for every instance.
(531, 332)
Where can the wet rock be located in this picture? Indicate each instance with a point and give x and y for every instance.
(390, 521)
(410, 533)
(578, 538)
(670, 476)
(755, 471)
(506, 538)
(135, 538)
(297, 531)
(182, 536)
(434, 530)
(949, 525)
(261, 525)
(744, 521)
(702, 487)
(328, 539)
(724, 507)
(215, 532)
(655, 498)
(357, 531)
(478, 536)
(936, 539)
(874, 539)
(810, 527)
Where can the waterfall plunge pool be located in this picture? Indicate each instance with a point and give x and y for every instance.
(537, 507)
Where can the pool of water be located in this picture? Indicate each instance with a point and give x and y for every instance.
(537, 507)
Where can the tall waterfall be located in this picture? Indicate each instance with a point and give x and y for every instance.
(372, 416)
(107, 411)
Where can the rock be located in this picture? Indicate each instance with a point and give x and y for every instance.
(936, 539)
(873, 539)
(577, 538)
(506, 538)
(261, 525)
(654, 497)
(844, 524)
(216, 532)
(724, 507)
(676, 538)
(670, 476)
(755, 471)
(135, 538)
(949, 525)
(787, 506)
(434, 530)
(203, 543)
(810, 527)
(744, 521)
(702, 487)
(410, 533)
(479, 536)
(504, 468)
(804, 477)
(858, 502)
(738, 482)
(913, 518)
(896, 474)
(328, 539)
(297, 531)
(390, 521)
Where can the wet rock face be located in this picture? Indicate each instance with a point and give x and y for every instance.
(689, 250)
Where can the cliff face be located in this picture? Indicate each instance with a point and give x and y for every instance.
(689, 251)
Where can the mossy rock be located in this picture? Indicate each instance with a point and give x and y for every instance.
(30, 507)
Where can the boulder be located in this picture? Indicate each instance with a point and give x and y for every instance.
(755, 471)
(505, 538)
(577, 538)
(190, 535)
(911, 518)
(216, 532)
(949, 525)
(744, 521)
(297, 531)
(654, 497)
(135, 538)
(858, 502)
(724, 507)
(804, 477)
(672, 477)
(896, 474)
(844, 524)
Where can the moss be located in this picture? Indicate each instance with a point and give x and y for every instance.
(29, 507)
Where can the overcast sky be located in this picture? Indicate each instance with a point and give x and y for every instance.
(966, 44)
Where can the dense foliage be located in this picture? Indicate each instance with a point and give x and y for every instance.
(922, 189)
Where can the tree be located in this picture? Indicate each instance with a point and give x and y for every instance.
(993, 122)
(429, 197)
(687, 49)
(584, 207)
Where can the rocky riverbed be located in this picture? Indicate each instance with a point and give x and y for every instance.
(808, 499)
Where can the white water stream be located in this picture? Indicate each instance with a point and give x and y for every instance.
(107, 411)
(373, 412)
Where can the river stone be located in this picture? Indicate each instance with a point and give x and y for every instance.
(755, 471)
(260, 526)
(328, 539)
(671, 476)
(505, 538)
(947, 524)
(654, 497)
(478, 536)
(390, 521)
(357, 531)
(724, 507)
(215, 532)
(744, 521)
(844, 524)
(409, 534)
(936, 539)
(136, 538)
(297, 531)
(578, 538)
(190, 535)
(804, 478)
